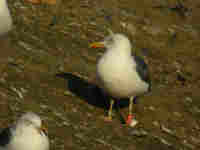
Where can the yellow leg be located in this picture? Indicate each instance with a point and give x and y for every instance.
(131, 105)
(130, 116)
(110, 109)
(131, 121)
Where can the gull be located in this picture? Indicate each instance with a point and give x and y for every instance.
(121, 74)
(5, 18)
(27, 134)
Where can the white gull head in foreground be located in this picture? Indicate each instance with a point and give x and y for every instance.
(5, 18)
(121, 75)
(27, 134)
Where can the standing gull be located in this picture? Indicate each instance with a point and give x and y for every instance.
(5, 18)
(27, 134)
(119, 74)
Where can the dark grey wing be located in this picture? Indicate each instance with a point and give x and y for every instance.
(5, 137)
(142, 69)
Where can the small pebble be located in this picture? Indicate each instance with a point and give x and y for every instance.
(139, 133)
(133, 123)
(177, 114)
(152, 108)
(185, 143)
(196, 109)
(167, 130)
(195, 140)
(156, 123)
(162, 140)
(165, 142)
(67, 93)
(188, 99)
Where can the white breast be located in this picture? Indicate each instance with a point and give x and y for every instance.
(118, 77)
(29, 138)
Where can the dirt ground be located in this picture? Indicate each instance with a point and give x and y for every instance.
(47, 67)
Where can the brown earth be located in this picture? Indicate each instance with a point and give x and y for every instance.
(49, 39)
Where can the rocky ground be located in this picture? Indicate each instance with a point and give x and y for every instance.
(47, 67)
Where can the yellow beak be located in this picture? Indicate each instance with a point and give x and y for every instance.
(43, 129)
(97, 45)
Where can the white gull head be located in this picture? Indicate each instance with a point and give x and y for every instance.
(117, 42)
(28, 134)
